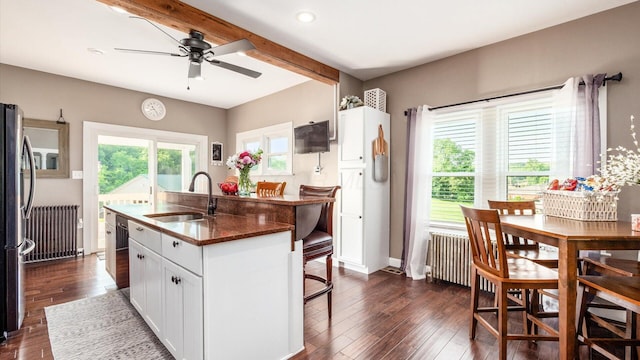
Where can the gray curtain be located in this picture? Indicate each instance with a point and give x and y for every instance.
(587, 126)
(411, 115)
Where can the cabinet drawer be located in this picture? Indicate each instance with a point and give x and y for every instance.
(110, 217)
(145, 236)
(182, 253)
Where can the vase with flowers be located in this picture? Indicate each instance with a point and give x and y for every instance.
(243, 162)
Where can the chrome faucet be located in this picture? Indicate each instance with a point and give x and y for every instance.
(211, 206)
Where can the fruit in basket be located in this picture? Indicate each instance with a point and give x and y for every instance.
(554, 185)
(229, 188)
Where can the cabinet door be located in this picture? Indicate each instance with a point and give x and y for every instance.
(136, 276)
(182, 312)
(351, 242)
(351, 215)
(350, 131)
(153, 290)
(110, 249)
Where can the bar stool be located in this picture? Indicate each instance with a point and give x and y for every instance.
(319, 243)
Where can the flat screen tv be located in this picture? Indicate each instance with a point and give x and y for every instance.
(312, 138)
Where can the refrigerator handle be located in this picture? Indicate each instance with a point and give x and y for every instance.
(32, 182)
(30, 245)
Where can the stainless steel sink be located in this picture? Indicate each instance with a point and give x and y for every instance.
(177, 217)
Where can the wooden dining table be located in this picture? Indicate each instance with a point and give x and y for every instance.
(571, 236)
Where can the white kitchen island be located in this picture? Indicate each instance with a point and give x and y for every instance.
(220, 287)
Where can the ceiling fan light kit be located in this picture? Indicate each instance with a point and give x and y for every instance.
(196, 50)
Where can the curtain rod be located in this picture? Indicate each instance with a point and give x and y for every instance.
(616, 77)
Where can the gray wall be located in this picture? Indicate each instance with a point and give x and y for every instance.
(310, 101)
(606, 42)
(41, 95)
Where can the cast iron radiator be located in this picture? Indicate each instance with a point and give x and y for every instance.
(54, 231)
(449, 256)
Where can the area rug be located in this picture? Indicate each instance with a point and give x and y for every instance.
(101, 327)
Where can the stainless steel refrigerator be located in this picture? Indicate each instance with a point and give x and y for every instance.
(17, 185)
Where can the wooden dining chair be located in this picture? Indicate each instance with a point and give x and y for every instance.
(520, 247)
(268, 188)
(622, 291)
(319, 243)
(490, 261)
(615, 319)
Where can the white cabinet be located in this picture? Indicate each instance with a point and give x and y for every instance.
(363, 224)
(201, 300)
(145, 269)
(166, 294)
(110, 243)
(182, 312)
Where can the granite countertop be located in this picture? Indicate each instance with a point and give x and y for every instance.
(289, 200)
(209, 230)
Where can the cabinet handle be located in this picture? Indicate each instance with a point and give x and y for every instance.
(175, 279)
(360, 157)
(176, 243)
(360, 173)
(360, 217)
(108, 232)
(139, 228)
(140, 256)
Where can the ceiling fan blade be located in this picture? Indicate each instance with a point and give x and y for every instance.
(194, 70)
(232, 47)
(149, 52)
(236, 68)
(157, 27)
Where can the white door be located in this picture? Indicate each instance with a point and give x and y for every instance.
(125, 165)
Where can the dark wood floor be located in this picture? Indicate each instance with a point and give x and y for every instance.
(49, 283)
(380, 316)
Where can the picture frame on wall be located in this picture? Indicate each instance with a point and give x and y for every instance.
(216, 153)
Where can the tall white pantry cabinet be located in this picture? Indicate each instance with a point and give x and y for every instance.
(363, 224)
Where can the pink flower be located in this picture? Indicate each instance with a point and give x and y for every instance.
(244, 154)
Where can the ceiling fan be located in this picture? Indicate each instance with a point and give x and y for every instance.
(197, 50)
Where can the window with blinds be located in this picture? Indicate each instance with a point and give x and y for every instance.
(453, 165)
(494, 152)
(529, 148)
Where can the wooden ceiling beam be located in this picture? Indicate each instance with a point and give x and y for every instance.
(183, 17)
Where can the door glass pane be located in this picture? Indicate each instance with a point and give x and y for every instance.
(123, 174)
(176, 166)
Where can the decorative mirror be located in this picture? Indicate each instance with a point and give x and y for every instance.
(50, 143)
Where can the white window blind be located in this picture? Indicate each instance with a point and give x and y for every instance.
(503, 150)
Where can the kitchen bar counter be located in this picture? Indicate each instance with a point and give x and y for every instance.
(301, 211)
(209, 230)
(208, 287)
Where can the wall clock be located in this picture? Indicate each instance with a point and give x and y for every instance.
(153, 109)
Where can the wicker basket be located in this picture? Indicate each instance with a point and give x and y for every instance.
(578, 205)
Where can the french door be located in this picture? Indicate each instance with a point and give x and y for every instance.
(124, 165)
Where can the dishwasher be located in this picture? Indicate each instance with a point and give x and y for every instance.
(122, 252)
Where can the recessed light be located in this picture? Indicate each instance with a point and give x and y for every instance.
(306, 16)
(95, 51)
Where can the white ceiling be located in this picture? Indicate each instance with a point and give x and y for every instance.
(364, 38)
